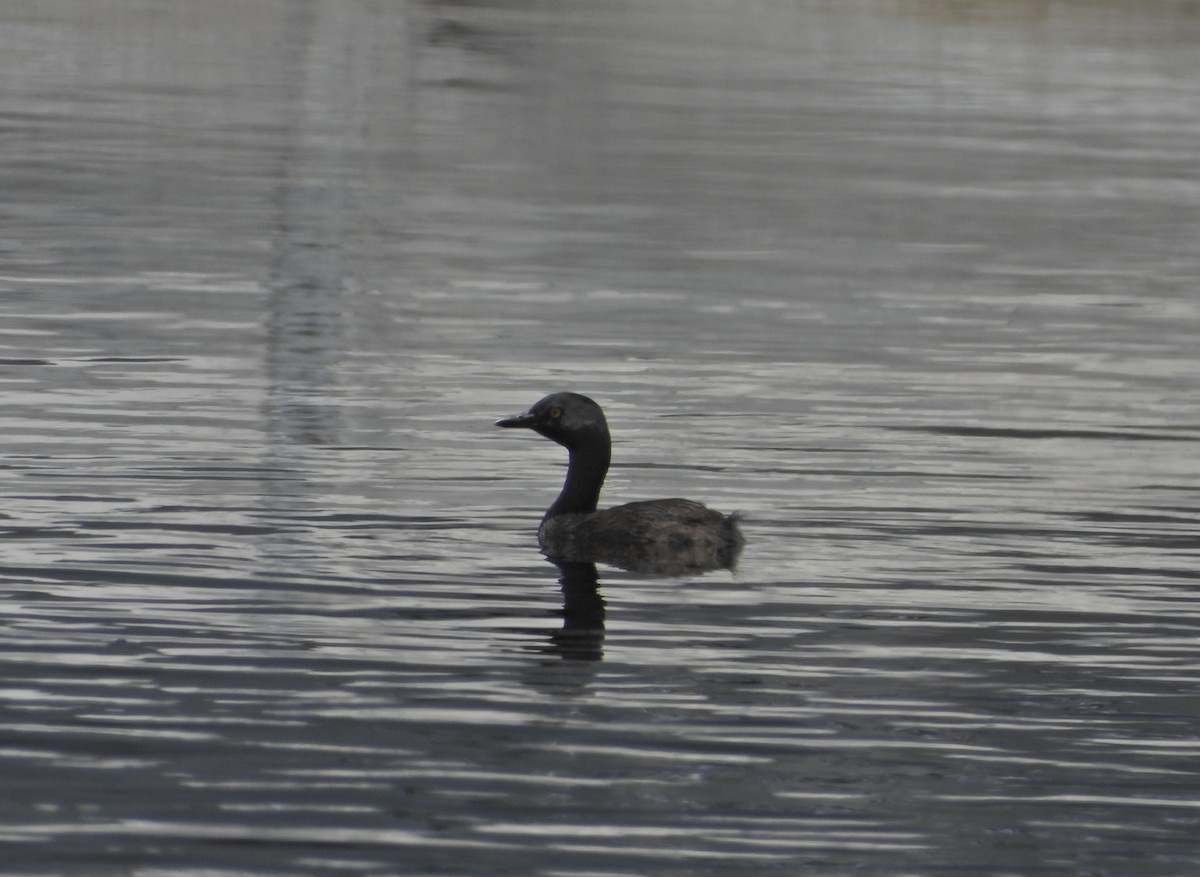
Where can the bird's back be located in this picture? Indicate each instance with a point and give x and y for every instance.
(662, 535)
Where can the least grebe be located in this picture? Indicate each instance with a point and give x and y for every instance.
(665, 535)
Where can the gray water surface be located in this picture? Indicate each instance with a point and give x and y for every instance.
(912, 286)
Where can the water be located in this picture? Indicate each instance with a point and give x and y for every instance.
(913, 286)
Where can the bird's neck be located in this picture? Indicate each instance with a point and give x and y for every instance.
(586, 467)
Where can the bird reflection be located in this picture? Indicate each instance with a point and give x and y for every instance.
(582, 635)
(579, 643)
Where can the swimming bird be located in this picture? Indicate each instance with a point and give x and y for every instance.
(669, 536)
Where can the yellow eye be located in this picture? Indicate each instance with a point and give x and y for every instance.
(555, 413)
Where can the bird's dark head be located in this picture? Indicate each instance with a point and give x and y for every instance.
(570, 419)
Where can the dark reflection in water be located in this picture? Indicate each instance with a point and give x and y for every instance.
(913, 285)
(582, 634)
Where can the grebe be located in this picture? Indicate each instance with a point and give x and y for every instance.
(658, 535)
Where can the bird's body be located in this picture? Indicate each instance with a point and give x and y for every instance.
(667, 535)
